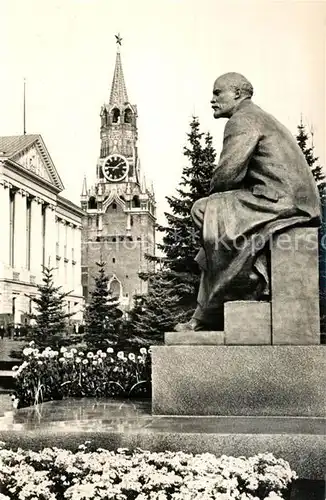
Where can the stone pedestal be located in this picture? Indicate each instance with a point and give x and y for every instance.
(247, 323)
(295, 287)
(269, 369)
(239, 380)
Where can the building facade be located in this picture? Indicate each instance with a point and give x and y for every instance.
(38, 228)
(119, 211)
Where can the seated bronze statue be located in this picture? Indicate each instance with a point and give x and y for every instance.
(261, 185)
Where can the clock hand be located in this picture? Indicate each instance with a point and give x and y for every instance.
(118, 165)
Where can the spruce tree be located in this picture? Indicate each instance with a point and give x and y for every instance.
(173, 289)
(156, 312)
(181, 240)
(102, 316)
(308, 151)
(50, 316)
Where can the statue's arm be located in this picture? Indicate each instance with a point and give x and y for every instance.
(240, 140)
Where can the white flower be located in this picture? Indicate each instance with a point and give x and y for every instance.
(99, 352)
(109, 350)
(103, 355)
(62, 360)
(131, 356)
(121, 355)
(63, 349)
(40, 362)
(73, 350)
(81, 354)
(27, 351)
(94, 362)
(273, 496)
(77, 359)
(85, 361)
(143, 350)
(90, 355)
(14, 368)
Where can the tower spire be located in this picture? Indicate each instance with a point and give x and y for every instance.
(118, 89)
(84, 188)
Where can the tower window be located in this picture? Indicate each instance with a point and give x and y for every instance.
(113, 260)
(92, 205)
(115, 288)
(116, 115)
(135, 201)
(114, 206)
(128, 115)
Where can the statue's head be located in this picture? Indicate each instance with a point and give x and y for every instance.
(229, 91)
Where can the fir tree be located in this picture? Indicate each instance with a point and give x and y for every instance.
(173, 289)
(157, 311)
(181, 240)
(102, 316)
(308, 151)
(50, 316)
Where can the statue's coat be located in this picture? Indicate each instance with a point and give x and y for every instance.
(261, 185)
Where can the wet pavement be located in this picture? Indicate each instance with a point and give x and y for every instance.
(117, 415)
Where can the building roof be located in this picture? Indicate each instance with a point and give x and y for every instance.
(12, 146)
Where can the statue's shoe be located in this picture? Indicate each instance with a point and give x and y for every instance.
(192, 325)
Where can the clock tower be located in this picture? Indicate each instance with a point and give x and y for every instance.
(119, 220)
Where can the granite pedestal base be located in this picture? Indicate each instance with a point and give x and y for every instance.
(239, 380)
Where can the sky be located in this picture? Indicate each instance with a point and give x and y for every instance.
(172, 51)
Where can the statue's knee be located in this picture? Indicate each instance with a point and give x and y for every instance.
(198, 209)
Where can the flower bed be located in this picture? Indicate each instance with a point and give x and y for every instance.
(57, 474)
(49, 374)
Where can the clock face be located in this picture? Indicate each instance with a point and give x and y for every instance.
(115, 168)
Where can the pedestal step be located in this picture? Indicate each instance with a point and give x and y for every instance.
(247, 323)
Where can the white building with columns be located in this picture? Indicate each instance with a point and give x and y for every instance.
(38, 227)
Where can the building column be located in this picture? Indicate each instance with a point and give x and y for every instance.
(5, 222)
(77, 258)
(20, 229)
(50, 236)
(61, 264)
(36, 238)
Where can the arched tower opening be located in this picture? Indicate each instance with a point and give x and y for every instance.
(116, 115)
(128, 115)
(92, 203)
(115, 288)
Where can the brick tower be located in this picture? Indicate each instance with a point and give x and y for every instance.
(119, 221)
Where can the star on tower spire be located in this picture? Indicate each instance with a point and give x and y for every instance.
(118, 89)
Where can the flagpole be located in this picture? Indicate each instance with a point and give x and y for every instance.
(24, 106)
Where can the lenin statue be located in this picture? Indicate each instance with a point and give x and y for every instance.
(261, 185)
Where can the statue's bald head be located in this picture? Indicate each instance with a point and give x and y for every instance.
(236, 81)
(229, 91)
